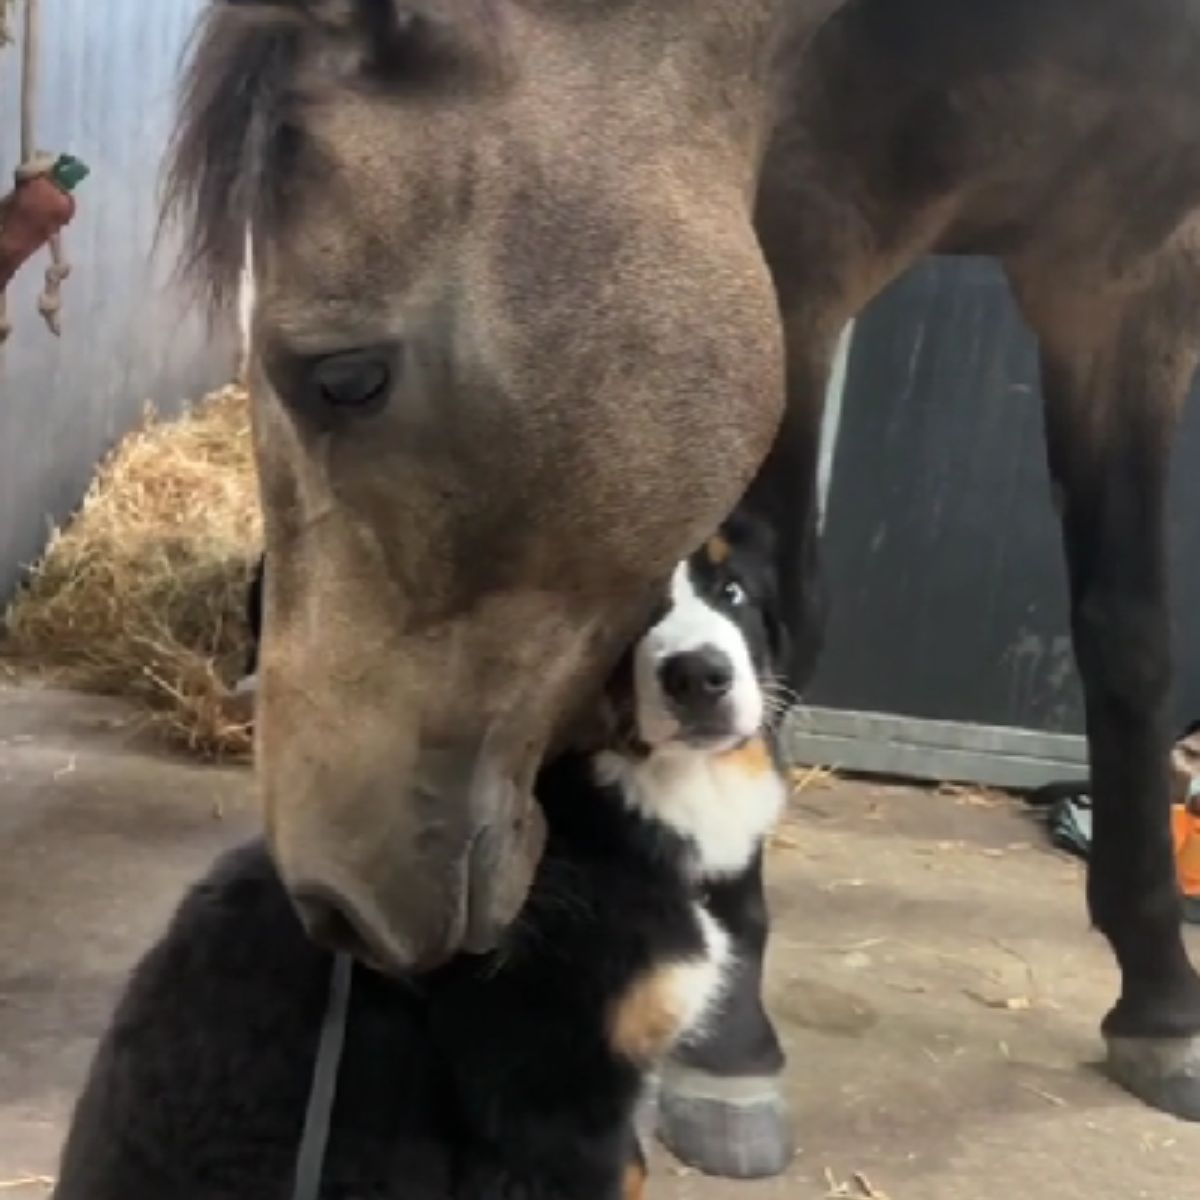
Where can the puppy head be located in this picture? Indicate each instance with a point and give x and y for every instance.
(700, 677)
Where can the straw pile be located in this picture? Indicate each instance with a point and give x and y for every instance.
(143, 593)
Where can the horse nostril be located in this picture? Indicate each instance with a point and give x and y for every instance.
(697, 676)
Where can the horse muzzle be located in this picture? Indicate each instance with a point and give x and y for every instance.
(404, 889)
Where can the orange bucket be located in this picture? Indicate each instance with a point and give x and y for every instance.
(1185, 829)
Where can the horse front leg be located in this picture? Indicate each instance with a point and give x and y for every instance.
(722, 1107)
(1115, 371)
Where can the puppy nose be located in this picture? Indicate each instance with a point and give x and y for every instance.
(700, 676)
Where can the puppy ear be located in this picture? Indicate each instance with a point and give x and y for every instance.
(605, 725)
(751, 533)
(778, 637)
(756, 541)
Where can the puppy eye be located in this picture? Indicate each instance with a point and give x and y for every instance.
(733, 594)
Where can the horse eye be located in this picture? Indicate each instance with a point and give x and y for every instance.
(354, 382)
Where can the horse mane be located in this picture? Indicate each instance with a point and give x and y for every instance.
(239, 139)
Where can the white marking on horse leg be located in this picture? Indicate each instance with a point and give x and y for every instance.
(245, 308)
(831, 419)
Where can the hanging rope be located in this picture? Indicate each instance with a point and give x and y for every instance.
(30, 58)
(34, 213)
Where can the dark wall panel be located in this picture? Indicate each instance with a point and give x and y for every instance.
(942, 550)
(107, 92)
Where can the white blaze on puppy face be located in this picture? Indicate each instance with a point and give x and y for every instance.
(690, 624)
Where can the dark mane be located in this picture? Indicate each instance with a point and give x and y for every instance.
(239, 136)
(235, 138)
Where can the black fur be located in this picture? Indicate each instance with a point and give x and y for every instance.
(492, 1078)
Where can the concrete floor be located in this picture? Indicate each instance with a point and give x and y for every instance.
(932, 973)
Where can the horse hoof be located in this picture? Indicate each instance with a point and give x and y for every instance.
(1162, 1072)
(733, 1127)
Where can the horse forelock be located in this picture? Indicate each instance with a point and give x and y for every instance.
(239, 131)
(225, 173)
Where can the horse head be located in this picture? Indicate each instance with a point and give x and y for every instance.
(515, 351)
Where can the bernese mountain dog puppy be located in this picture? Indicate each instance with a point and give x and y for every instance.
(508, 1076)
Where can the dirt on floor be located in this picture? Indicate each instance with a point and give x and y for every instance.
(933, 974)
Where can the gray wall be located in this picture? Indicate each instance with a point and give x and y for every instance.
(107, 93)
(949, 621)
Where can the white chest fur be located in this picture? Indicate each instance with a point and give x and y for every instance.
(725, 804)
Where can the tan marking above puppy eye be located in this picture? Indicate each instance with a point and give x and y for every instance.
(717, 549)
(753, 758)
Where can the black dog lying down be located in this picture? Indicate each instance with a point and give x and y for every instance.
(512, 1076)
